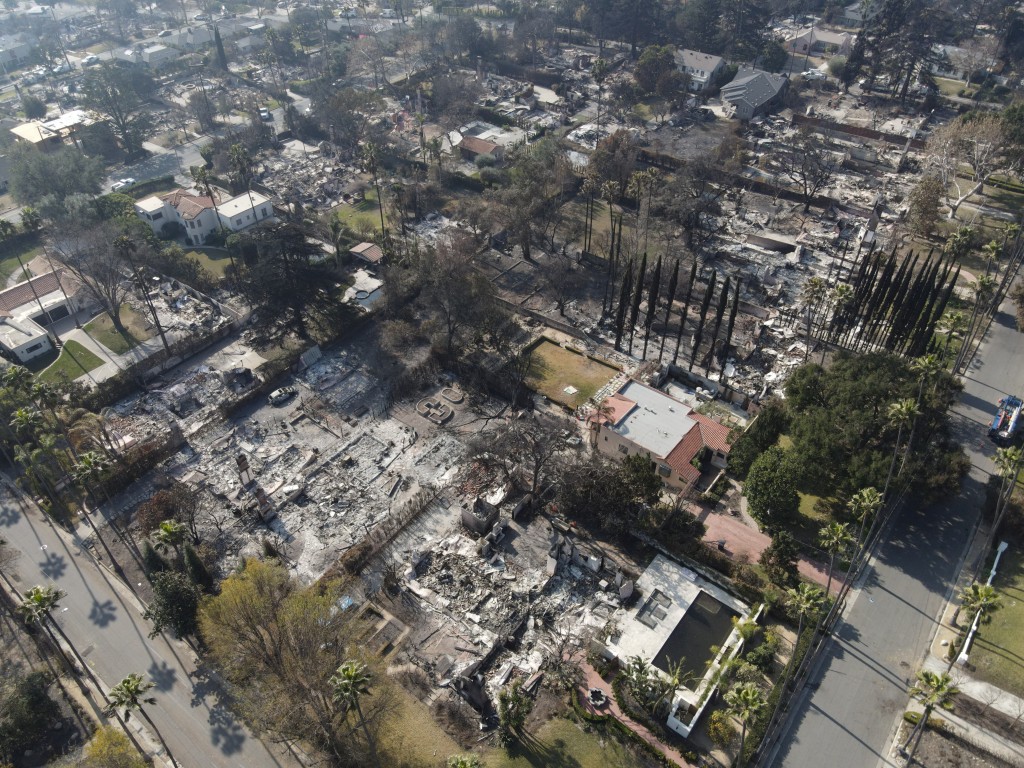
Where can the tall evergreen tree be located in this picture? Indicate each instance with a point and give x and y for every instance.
(723, 299)
(672, 283)
(620, 311)
(638, 295)
(698, 335)
(686, 310)
(732, 322)
(652, 304)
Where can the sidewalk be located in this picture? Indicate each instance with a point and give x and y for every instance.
(591, 679)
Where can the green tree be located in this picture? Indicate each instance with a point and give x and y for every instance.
(933, 691)
(514, 707)
(770, 489)
(834, 538)
(110, 748)
(863, 505)
(46, 179)
(170, 535)
(978, 599)
(128, 696)
(174, 604)
(463, 761)
(196, 569)
(923, 211)
(744, 702)
(33, 107)
(760, 435)
(26, 711)
(654, 62)
(119, 92)
(351, 682)
(151, 559)
(779, 559)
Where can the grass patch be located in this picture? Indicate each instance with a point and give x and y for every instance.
(561, 743)
(26, 250)
(74, 361)
(101, 328)
(553, 368)
(998, 650)
(213, 260)
(413, 737)
(364, 216)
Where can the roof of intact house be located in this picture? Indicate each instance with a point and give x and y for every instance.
(478, 146)
(26, 292)
(754, 87)
(369, 252)
(697, 60)
(188, 205)
(242, 203)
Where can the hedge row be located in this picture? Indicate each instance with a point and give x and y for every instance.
(621, 729)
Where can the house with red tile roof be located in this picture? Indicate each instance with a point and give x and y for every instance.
(29, 309)
(641, 419)
(200, 216)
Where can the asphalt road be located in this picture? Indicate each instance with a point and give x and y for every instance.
(105, 625)
(847, 714)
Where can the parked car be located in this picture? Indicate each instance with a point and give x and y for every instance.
(91, 59)
(165, 33)
(121, 184)
(282, 395)
(815, 74)
(201, 17)
(265, 114)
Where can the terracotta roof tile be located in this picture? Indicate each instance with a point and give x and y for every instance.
(714, 435)
(22, 293)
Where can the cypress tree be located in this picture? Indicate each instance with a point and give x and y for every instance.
(652, 304)
(686, 310)
(638, 296)
(698, 335)
(672, 282)
(196, 569)
(620, 312)
(732, 322)
(222, 59)
(151, 559)
(723, 300)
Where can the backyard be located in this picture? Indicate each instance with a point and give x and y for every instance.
(553, 370)
(998, 650)
(74, 361)
(102, 330)
(213, 260)
(25, 249)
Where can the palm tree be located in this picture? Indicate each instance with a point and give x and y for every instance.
(927, 368)
(805, 599)
(863, 505)
(676, 676)
(991, 252)
(463, 761)
(39, 602)
(170, 535)
(953, 324)
(978, 599)
(813, 293)
(901, 415)
(931, 690)
(834, 538)
(350, 683)
(128, 696)
(744, 702)
(201, 180)
(1008, 462)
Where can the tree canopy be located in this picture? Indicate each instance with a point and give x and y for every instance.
(40, 176)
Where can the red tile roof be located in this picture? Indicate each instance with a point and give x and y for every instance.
(478, 146)
(714, 435)
(22, 293)
(188, 205)
(616, 407)
(679, 458)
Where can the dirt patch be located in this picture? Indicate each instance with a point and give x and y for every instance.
(939, 748)
(549, 704)
(990, 719)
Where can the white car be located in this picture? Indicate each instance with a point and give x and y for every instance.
(121, 184)
(815, 74)
(265, 114)
(164, 33)
(91, 59)
(282, 395)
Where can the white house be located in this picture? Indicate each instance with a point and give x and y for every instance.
(820, 42)
(28, 309)
(641, 419)
(198, 215)
(960, 63)
(858, 14)
(16, 49)
(152, 56)
(703, 68)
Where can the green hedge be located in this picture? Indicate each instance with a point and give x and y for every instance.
(148, 187)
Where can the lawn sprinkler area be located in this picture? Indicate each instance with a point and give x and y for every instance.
(565, 376)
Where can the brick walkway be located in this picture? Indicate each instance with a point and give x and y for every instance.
(591, 679)
(743, 540)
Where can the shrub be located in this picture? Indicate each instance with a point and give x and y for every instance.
(151, 560)
(27, 711)
(721, 731)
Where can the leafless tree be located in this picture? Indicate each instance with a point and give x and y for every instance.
(809, 164)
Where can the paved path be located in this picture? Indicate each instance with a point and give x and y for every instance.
(104, 622)
(858, 692)
(591, 679)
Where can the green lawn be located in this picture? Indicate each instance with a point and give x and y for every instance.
(362, 217)
(74, 361)
(560, 743)
(214, 260)
(102, 330)
(998, 650)
(553, 368)
(412, 737)
(9, 256)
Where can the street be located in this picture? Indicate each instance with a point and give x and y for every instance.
(105, 624)
(853, 701)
